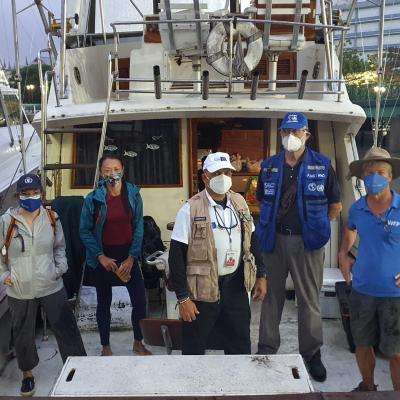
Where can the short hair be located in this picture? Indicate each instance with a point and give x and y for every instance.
(373, 163)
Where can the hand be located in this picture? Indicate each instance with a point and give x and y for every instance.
(8, 281)
(260, 289)
(345, 264)
(107, 263)
(397, 280)
(188, 311)
(126, 266)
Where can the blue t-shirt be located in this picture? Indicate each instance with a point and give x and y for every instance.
(378, 258)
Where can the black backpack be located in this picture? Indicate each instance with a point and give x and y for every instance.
(151, 243)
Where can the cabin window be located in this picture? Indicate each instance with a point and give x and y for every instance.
(150, 150)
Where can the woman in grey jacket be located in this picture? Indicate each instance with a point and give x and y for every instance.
(32, 263)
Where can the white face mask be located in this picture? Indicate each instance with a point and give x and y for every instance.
(292, 143)
(220, 184)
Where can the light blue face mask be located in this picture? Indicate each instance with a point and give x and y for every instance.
(375, 183)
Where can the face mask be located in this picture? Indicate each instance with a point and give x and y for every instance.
(220, 184)
(375, 183)
(30, 203)
(113, 179)
(292, 143)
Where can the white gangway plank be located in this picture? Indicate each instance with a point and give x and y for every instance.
(179, 375)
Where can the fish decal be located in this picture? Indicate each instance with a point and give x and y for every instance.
(152, 146)
(130, 153)
(111, 147)
(157, 137)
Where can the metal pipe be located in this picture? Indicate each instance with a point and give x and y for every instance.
(105, 121)
(62, 47)
(230, 58)
(205, 85)
(379, 70)
(103, 27)
(273, 70)
(326, 40)
(157, 81)
(8, 122)
(254, 85)
(196, 67)
(18, 79)
(137, 8)
(46, 27)
(274, 22)
(302, 85)
(342, 41)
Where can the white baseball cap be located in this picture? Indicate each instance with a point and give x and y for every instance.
(216, 161)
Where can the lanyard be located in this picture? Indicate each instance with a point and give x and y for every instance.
(221, 224)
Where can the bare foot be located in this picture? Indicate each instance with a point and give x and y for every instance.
(106, 351)
(140, 349)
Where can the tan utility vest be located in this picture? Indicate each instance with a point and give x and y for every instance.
(202, 268)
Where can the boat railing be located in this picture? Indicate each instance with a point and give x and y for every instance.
(232, 21)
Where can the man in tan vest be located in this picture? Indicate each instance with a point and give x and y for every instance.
(214, 262)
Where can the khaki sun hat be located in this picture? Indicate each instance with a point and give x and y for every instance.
(375, 154)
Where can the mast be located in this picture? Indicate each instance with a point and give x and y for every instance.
(18, 79)
(379, 88)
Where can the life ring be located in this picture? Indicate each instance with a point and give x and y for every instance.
(218, 57)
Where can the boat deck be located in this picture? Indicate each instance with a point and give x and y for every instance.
(343, 373)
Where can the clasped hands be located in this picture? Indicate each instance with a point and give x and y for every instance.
(110, 264)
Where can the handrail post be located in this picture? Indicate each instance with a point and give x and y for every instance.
(63, 48)
(105, 121)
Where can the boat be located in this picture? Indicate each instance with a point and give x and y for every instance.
(162, 84)
(11, 159)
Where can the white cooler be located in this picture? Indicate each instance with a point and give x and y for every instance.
(328, 299)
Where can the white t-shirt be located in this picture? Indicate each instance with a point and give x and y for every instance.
(225, 223)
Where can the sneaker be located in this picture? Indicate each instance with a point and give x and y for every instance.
(315, 367)
(362, 387)
(28, 386)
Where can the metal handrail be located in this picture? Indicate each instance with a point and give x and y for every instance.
(105, 120)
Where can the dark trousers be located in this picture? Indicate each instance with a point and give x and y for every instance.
(62, 321)
(135, 286)
(227, 320)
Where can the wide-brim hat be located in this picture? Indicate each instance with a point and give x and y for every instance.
(375, 154)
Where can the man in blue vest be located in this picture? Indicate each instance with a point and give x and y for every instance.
(299, 195)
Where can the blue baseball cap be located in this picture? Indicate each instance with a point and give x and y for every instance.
(28, 181)
(294, 120)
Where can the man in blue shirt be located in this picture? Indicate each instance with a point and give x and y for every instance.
(375, 296)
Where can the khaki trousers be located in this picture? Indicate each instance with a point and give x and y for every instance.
(306, 270)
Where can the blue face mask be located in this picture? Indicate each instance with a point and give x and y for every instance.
(30, 203)
(375, 183)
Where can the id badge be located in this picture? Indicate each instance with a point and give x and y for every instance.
(230, 259)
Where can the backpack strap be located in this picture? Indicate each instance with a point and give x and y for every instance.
(52, 218)
(10, 231)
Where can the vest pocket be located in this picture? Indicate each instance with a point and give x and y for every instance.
(199, 281)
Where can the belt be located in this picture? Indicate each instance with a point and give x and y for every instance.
(287, 231)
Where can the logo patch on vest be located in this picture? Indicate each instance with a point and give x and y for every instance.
(317, 175)
(320, 188)
(269, 188)
(316, 167)
(200, 219)
(312, 187)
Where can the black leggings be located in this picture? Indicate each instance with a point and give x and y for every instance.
(104, 282)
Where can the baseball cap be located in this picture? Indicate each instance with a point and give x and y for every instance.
(216, 161)
(294, 120)
(28, 181)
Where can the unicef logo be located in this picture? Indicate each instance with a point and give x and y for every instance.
(320, 188)
(312, 187)
(28, 180)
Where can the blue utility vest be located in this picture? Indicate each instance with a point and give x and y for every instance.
(311, 197)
